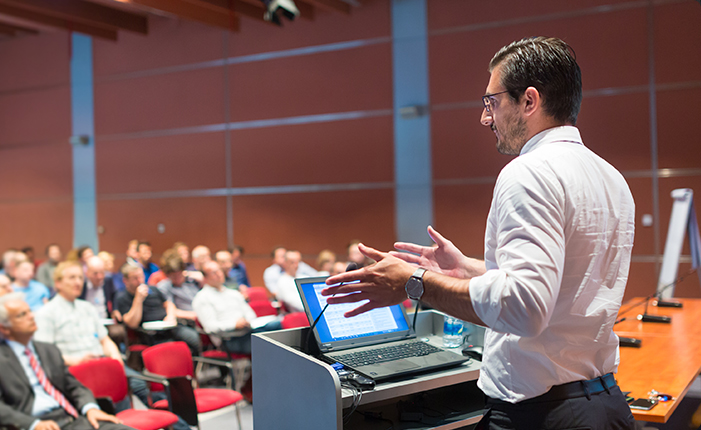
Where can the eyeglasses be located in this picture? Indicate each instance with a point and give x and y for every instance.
(488, 100)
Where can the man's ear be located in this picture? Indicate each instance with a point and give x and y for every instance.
(4, 331)
(531, 101)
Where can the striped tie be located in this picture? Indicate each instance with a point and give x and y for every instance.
(44, 381)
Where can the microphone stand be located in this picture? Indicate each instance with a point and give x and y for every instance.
(645, 317)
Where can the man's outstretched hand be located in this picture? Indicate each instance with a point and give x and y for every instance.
(381, 284)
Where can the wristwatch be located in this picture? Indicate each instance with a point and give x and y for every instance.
(415, 285)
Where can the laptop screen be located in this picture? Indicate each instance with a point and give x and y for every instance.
(334, 327)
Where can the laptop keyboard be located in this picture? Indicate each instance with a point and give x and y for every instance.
(387, 353)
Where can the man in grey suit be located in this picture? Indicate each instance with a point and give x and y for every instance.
(36, 390)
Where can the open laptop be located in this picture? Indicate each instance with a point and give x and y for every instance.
(350, 341)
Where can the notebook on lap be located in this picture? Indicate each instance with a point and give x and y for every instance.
(375, 343)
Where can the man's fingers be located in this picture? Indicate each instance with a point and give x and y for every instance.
(409, 258)
(437, 237)
(347, 298)
(93, 422)
(339, 279)
(361, 309)
(371, 252)
(409, 247)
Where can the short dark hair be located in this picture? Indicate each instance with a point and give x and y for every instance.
(49, 246)
(143, 242)
(549, 65)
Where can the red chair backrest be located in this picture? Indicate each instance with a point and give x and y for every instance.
(168, 359)
(104, 376)
(257, 293)
(295, 319)
(262, 307)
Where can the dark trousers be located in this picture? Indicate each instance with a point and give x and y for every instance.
(565, 407)
(67, 422)
(242, 344)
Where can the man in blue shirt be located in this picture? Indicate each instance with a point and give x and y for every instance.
(35, 293)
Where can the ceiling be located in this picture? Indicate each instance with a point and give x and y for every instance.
(105, 19)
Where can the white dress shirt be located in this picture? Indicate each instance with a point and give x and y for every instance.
(220, 309)
(557, 251)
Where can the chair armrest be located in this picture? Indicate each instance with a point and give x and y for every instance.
(214, 362)
(150, 377)
(179, 393)
(106, 405)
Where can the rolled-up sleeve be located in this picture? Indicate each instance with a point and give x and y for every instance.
(517, 294)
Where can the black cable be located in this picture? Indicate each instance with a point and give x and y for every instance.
(357, 397)
(662, 290)
(351, 266)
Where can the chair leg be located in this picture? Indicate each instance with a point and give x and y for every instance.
(238, 416)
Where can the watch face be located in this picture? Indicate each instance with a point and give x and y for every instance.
(414, 288)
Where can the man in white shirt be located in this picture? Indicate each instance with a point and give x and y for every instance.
(557, 252)
(220, 309)
(286, 289)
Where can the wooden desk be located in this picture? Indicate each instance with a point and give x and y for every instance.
(669, 359)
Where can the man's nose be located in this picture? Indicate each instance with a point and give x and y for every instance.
(486, 118)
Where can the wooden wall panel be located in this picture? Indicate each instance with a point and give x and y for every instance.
(48, 64)
(370, 20)
(641, 188)
(461, 215)
(310, 222)
(36, 224)
(339, 81)
(677, 44)
(321, 153)
(35, 116)
(170, 42)
(37, 172)
(679, 128)
(642, 282)
(195, 220)
(171, 100)
(171, 163)
(462, 147)
(451, 13)
(623, 143)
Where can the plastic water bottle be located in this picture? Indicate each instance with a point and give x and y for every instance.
(452, 332)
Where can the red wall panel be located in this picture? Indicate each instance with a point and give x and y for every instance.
(160, 102)
(170, 42)
(679, 128)
(462, 147)
(171, 163)
(36, 224)
(623, 143)
(35, 116)
(48, 64)
(36, 172)
(321, 153)
(196, 220)
(641, 188)
(339, 81)
(677, 42)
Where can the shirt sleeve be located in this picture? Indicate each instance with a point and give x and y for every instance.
(519, 294)
(206, 314)
(46, 332)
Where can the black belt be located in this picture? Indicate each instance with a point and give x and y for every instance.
(571, 390)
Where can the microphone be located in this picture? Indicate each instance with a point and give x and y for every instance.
(351, 266)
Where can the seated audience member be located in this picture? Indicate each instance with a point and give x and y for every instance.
(144, 259)
(338, 267)
(200, 256)
(177, 288)
(31, 256)
(139, 303)
(357, 257)
(84, 253)
(35, 293)
(11, 260)
(5, 285)
(325, 262)
(223, 258)
(273, 272)
(286, 291)
(99, 291)
(220, 309)
(238, 267)
(45, 271)
(108, 259)
(132, 252)
(31, 400)
(184, 252)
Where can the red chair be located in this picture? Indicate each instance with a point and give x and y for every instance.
(257, 293)
(106, 379)
(262, 307)
(294, 320)
(173, 364)
(241, 362)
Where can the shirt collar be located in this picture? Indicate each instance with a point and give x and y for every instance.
(18, 348)
(63, 300)
(564, 133)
